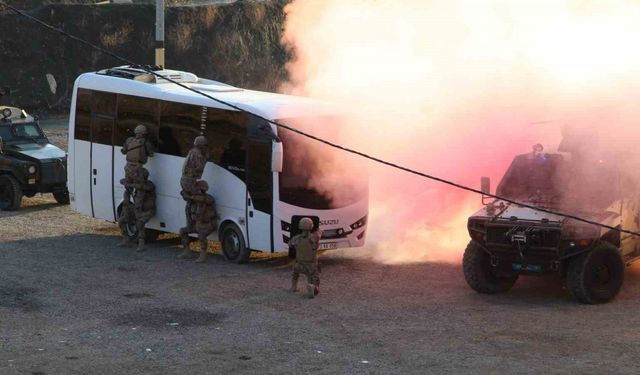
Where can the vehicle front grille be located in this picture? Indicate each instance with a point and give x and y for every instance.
(54, 172)
(533, 241)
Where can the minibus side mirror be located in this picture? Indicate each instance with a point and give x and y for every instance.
(485, 187)
(276, 156)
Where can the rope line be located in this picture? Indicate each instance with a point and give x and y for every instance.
(315, 138)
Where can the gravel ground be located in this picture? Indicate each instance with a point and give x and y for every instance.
(71, 302)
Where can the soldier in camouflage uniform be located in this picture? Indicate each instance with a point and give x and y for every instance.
(127, 215)
(137, 150)
(140, 211)
(203, 219)
(306, 246)
(192, 169)
(144, 207)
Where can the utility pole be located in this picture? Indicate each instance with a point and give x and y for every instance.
(160, 33)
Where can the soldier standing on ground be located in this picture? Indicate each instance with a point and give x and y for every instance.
(144, 207)
(203, 220)
(192, 169)
(306, 246)
(138, 212)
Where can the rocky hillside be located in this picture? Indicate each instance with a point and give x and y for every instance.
(237, 43)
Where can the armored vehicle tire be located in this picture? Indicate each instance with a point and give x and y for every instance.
(233, 246)
(10, 193)
(596, 276)
(479, 273)
(62, 197)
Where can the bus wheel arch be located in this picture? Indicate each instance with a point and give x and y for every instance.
(234, 246)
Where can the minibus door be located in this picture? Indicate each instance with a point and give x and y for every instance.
(101, 163)
(259, 194)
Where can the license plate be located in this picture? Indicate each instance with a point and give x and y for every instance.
(32, 181)
(328, 246)
(526, 267)
(519, 237)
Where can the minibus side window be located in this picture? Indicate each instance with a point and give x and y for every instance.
(226, 132)
(179, 125)
(83, 115)
(134, 111)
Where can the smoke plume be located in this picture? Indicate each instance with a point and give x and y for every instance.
(456, 89)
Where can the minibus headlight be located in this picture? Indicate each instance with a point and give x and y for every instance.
(32, 169)
(359, 224)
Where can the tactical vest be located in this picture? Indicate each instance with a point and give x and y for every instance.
(194, 164)
(206, 211)
(136, 151)
(304, 250)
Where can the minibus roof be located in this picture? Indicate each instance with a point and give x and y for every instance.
(270, 105)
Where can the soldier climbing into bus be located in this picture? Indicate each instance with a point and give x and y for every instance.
(138, 149)
(306, 247)
(192, 169)
(203, 220)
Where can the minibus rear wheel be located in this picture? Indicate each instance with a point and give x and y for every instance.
(150, 235)
(233, 246)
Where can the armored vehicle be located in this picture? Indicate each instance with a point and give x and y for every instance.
(509, 240)
(29, 164)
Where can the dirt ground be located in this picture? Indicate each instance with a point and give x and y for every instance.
(71, 302)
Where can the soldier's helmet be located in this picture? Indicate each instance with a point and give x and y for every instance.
(202, 185)
(140, 130)
(200, 141)
(305, 224)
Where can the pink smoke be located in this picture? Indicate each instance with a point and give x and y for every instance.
(456, 89)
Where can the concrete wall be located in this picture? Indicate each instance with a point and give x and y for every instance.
(236, 43)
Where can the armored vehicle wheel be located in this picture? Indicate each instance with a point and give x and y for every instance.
(62, 197)
(10, 193)
(596, 276)
(233, 246)
(479, 273)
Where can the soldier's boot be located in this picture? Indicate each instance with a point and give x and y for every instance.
(140, 245)
(312, 291)
(294, 284)
(186, 252)
(124, 242)
(203, 253)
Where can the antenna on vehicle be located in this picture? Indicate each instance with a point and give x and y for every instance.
(160, 33)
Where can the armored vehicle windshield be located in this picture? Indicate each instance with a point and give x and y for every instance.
(534, 178)
(13, 133)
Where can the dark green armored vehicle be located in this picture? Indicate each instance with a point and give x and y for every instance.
(29, 164)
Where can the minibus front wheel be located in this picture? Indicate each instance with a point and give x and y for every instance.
(234, 248)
